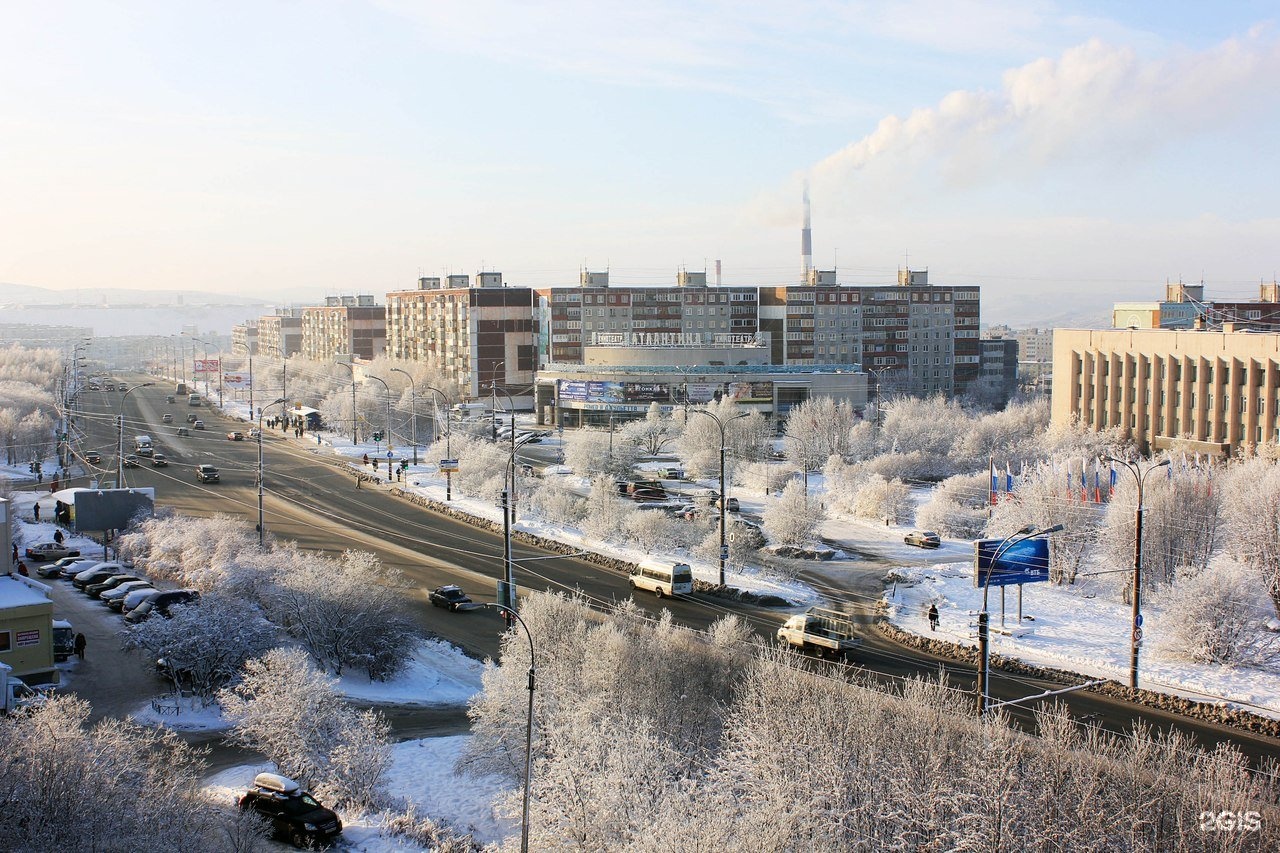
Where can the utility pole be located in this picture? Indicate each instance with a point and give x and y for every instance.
(724, 501)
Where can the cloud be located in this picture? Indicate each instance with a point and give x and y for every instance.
(1095, 101)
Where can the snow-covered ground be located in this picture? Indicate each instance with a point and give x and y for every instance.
(1069, 629)
(421, 773)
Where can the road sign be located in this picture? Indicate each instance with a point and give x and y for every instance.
(1137, 621)
(724, 552)
(449, 465)
(1137, 635)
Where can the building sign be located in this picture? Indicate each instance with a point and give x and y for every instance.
(751, 392)
(699, 392)
(646, 392)
(207, 365)
(576, 391)
(722, 339)
(235, 380)
(27, 638)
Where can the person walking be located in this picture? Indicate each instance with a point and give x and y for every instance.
(36, 511)
(58, 537)
(81, 642)
(15, 553)
(933, 617)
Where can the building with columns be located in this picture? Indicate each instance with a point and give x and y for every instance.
(1215, 391)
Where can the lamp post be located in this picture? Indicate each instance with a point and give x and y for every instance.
(204, 365)
(984, 618)
(493, 404)
(413, 410)
(355, 436)
(120, 434)
(1135, 636)
(724, 542)
(262, 527)
(507, 588)
(448, 439)
(510, 613)
(511, 407)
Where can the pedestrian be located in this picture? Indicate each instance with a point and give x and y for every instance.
(358, 479)
(933, 617)
(79, 646)
(366, 459)
(375, 463)
(36, 511)
(22, 569)
(58, 537)
(15, 552)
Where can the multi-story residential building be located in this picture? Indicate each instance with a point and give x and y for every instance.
(1184, 307)
(244, 339)
(478, 335)
(998, 371)
(280, 334)
(1035, 351)
(354, 325)
(915, 337)
(1217, 391)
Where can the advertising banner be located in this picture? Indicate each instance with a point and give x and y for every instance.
(575, 391)
(699, 392)
(751, 392)
(646, 392)
(207, 365)
(1023, 562)
(235, 380)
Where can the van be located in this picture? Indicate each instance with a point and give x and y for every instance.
(64, 639)
(466, 411)
(142, 445)
(662, 578)
(193, 399)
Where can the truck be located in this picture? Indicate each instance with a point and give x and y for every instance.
(181, 389)
(14, 692)
(64, 640)
(827, 633)
(142, 445)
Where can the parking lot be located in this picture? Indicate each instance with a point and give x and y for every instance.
(116, 683)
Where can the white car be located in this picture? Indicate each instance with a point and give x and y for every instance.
(114, 598)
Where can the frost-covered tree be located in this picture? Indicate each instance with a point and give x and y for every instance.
(607, 512)
(699, 443)
(205, 645)
(291, 712)
(929, 426)
(654, 433)
(590, 452)
(1042, 498)
(346, 613)
(1218, 616)
(821, 427)
(1251, 513)
(554, 501)
(115, 785)
(482, 466)
(793, 519)
(958, 506)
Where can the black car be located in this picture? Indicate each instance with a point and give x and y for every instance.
(452, 597)
(162, 602)
(292, 812)
(97, 577)
(94, 590)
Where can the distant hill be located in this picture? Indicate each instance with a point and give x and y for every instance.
(26, 295)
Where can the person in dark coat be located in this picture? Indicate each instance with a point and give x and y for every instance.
(22, 569)
(933, 617)
(15, 553)
(79, 646)
(36, 512)
(58, 537)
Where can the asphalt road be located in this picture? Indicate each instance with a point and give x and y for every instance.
(313, 500)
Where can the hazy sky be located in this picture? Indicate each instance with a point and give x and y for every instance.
(1051, 152)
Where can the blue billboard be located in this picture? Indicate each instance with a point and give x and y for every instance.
(1022, 562)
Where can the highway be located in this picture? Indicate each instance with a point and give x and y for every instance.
(313, 500)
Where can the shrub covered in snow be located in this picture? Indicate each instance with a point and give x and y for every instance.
(1219, 616)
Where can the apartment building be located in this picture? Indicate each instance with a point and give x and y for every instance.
(478, 335)
(244, 338)
(280, 334)
(1035, 351)
(354, 325)
(1217, 391)
(1185, 307)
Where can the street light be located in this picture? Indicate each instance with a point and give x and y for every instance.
(511, 406)
(984, 618)
(120, 435)
(354, 434)
(388, 390)
(261, 526)
(1135, 636)
(448, 441)
(528, 729)
(413, 410)
(493, 405)
(724, 542)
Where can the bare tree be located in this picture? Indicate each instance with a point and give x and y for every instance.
(1218, 617)
(1251, 509)
(1042, 498)
(793, 519)
(652, 434)
(821, 427)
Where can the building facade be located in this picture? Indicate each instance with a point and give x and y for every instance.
(344, 325)
(280, 334)
(478, 335)
(998, 371)
(244, 339)
(1185, 307)
(1215, 391)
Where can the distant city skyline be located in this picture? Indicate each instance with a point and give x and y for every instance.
(1059, 155)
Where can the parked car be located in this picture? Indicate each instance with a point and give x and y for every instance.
(206, 474)
(452, 597)
(114, 598)
(100, 572)
(73, 572)
(135, 597)
(93, 457)
(232, 436)
(131, 461)
(923, 539)
(292, 812)
(166, 418)
(54, 570)
(95, 590)
(198, 425)
(159, 461)
(50, 551)
(731, 505)
(162, 603)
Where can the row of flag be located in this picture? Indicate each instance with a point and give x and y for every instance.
(1098, 485)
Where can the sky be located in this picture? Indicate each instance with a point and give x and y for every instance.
(1056, 154)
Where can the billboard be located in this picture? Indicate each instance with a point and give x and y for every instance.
(235, 380)
(1022, 562)
(112, 509)
(576, 391)
(646, 392)
(699, 392)
(751, 392)
(207, 365)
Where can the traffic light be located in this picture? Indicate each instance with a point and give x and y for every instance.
(377, 436)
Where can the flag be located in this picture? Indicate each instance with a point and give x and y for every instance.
(1008, 479)
(1084, 483)
(1097, 484)
(995, 484)
(1112, 493)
